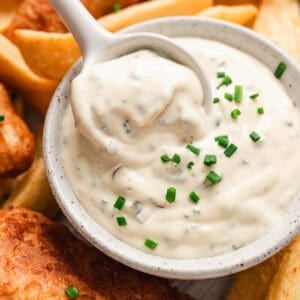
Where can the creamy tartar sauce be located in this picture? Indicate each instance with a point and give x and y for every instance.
(139, 132)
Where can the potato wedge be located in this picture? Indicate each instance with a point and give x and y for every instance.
(15, 72)
(280, 21)
(32, 190)
(240, 14)
(286, 283)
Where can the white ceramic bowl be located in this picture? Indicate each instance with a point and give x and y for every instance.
(199, 268)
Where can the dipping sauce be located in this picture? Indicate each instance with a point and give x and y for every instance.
(162, 174)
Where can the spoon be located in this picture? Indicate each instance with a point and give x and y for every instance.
(99, 45)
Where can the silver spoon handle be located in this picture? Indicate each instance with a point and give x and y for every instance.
(86, 31)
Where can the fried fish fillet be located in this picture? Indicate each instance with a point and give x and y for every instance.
(39, 259)
(16, 140)
(39, 14)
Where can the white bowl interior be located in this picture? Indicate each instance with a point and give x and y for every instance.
(200, 268)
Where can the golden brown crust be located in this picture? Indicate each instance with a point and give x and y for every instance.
(16, 141)
(40, 258)
(39, 15)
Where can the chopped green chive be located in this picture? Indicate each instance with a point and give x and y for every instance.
(221, 74)
(171, 194)
(238, 93)
(2, 118)
(121, 221)
(226, 81)
(230, 150)
(210, 159)
(255, 137)
(165, 158)
(176, 159)
(72, 292)
(228, 96)
(235, 113)
(213, 177)
(193, 149)
(151, 244)
(254, 96)
(216, 100)
(194, 197)
(217, 138)
(280, 70)
(116, 7)
(260, 111)
(190, 165)
(222, 140)
(119, 203)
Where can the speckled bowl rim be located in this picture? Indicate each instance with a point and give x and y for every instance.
(201, 268)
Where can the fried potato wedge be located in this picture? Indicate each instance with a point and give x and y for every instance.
(280, 21)
(7, 12)
(16, 140)
(286, 283)
(151, 10)
(55, 53)
(236, 2)
(31, 189)
(240, 14)
(15, 72)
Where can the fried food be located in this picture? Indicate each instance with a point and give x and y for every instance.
(7, 12)
(39, 259)
(240, 14)
(151, 10)
(252, 284)
(16, 140)
(286, 283)
(280, 21)
(31, 190)
(39, 15)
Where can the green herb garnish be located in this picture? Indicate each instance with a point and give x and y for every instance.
(221, 74)
(228, 96)
(238, 93)
(193, 149)
(117, 7)
(222, 140)
(165, 158)
(260, 111)
(119, 203)
(210, 159)
(171, 194)
(280, 70)
(176, 159)
(72, 292)
(190, 165)
(194, 197)
(216, 100)
(121, 221)
(235, 113)
(213, 177)
(255, 137)
(230, 150)
(2, 118)
(151, 244)
(226, 81)
(254, 96)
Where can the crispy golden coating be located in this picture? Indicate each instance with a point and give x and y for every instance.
(39, 14)
(16, 141)
(39, 259)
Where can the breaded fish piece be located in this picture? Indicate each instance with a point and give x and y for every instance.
(39, 14)
(39, 259)
(16, 140)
